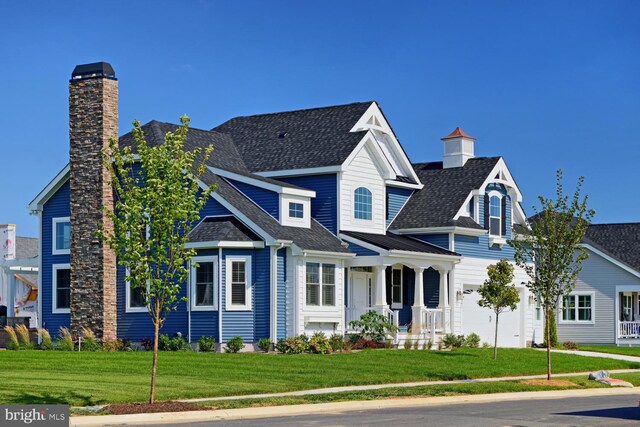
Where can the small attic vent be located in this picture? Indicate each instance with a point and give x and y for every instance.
(283, 134)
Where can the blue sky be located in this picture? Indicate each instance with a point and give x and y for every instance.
(546, 85)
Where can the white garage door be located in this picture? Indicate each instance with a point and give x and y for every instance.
(482, 321)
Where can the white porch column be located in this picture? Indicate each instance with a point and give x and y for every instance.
(444, 289)
(418, 301)
(452, 301)
(381, 286)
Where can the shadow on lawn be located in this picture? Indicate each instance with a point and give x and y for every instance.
(68, 398)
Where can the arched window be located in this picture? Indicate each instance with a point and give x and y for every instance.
(495, 214)
(362, 203)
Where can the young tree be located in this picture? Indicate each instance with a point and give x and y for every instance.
(497, 294)
(157, 200)
(551, 252)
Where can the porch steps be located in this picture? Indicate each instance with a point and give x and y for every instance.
(420, 340)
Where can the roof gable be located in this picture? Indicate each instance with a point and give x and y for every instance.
(621, 241)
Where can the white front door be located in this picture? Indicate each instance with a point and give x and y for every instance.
(361, 293)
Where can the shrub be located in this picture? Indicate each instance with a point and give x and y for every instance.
(13, 343)
(172, 344)
(348, 346)
(265, 344)
(46, 342)
(319, 344)
(337, 342)
(429, 344)
(281, 345)
(570, 345)
(295, 345)
(453, 341)
(89, 340)
(416, 344)
(408, 344)
(24, 336)
(234, 345)
(65, 340)
(472, 340)
(374, 326)
(147, 343)
(486, 345)
(206, 344)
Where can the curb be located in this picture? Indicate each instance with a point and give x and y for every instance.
(336, 407)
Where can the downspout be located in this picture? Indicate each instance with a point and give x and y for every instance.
(274, 288)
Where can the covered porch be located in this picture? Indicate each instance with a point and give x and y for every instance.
(406, 280)
(628, 318)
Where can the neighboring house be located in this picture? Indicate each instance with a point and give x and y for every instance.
(318, 217)
(604, 307)
(18, 276)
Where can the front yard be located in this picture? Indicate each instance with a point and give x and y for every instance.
(100, 378)
(627, 351)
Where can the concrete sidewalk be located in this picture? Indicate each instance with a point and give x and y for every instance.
(597, 354)
(330, 408)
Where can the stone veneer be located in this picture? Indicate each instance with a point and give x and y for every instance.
(93, 119)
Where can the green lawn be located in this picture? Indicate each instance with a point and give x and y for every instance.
(628, 351)
(99, 378)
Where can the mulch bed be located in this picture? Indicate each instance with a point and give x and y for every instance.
(555, 383)
(147, 408)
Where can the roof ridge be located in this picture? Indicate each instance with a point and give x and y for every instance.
(440, 161)
(155, 122)
(615, 223)
(301, 110)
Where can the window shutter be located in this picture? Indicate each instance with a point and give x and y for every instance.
(486, 211)
(504, 216)
(387, 274)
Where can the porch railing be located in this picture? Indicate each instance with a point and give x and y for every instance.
(391, 315)
(628, 329)
(433, 320)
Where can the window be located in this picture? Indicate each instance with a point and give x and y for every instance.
(321, 283)
(135, 297)
(203, 283)
(538, 309)
(61, 297)
(577, 308)
(494, 215)
(296, 210)
(627, 308)
(396, 288)
(61, 236)
(238, 283)
(362, 204)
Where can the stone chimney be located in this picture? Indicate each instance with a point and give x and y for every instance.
(93, 119)
(458, 148)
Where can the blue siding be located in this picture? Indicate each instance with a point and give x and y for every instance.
(360, 251)
(282, 293)
(267, 200)
(57, 206)
(441, 240)
(478, 247)
(408, 284)
(431, 284)
(261, 277)
(396, 198)
(324, 207)
(213, 208)
(205, 323)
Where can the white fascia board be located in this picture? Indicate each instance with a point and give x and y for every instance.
(323, 254)
(394, 183)
(440, 230)
(225, 244)
(421, 255)
(366, 245)
(611, 259)
(379, 158)
(365, 261)
(55, 184)
(385, 127)
(280, 189)
(299, 172)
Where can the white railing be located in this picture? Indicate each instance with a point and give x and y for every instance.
(433, 320)
(392, 316)
(628, 329)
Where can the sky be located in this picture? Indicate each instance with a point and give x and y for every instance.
(546, 85)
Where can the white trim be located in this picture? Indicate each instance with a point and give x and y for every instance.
(398, 253)
(220, 282)
(224, 243)
(397, 305)
(491, 194)
(54, 234)
(192, 283)
(441, 230)
(611, 260)
(58, 181)
(248, 298)
(39, 278)
(576, 294)
(377, 155)
(280, 189)
(321, 306)
(394, 183)
(127, 297)
(54, 288)
(298, 172)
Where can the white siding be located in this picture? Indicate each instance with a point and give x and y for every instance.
(291, 290)
(362, 172)
(601, 277)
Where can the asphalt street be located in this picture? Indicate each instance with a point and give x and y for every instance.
(615, 410)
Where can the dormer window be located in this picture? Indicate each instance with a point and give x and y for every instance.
(296, 210)
(495, 216)
(362, 204)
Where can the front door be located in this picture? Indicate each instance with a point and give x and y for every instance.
(361, 293)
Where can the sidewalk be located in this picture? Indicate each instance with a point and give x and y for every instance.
(596, 354)
(324, 408)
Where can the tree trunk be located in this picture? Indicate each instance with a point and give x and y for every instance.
(152, 398)
(495, 340)
(548, 346)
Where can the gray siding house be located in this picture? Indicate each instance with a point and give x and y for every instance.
(604, 307)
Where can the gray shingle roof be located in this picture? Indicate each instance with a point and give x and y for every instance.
(396, 242)
(311, 138)
(622, 241)
(222, 228)
(444, 192)
(26, 247)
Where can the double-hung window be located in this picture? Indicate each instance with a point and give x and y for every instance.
(577, 308)
(495, 208)
(238, 289)
(396, 288)
(204, 283)
(321, 284)
(135, 297)
(61, 236)
(61, 297)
